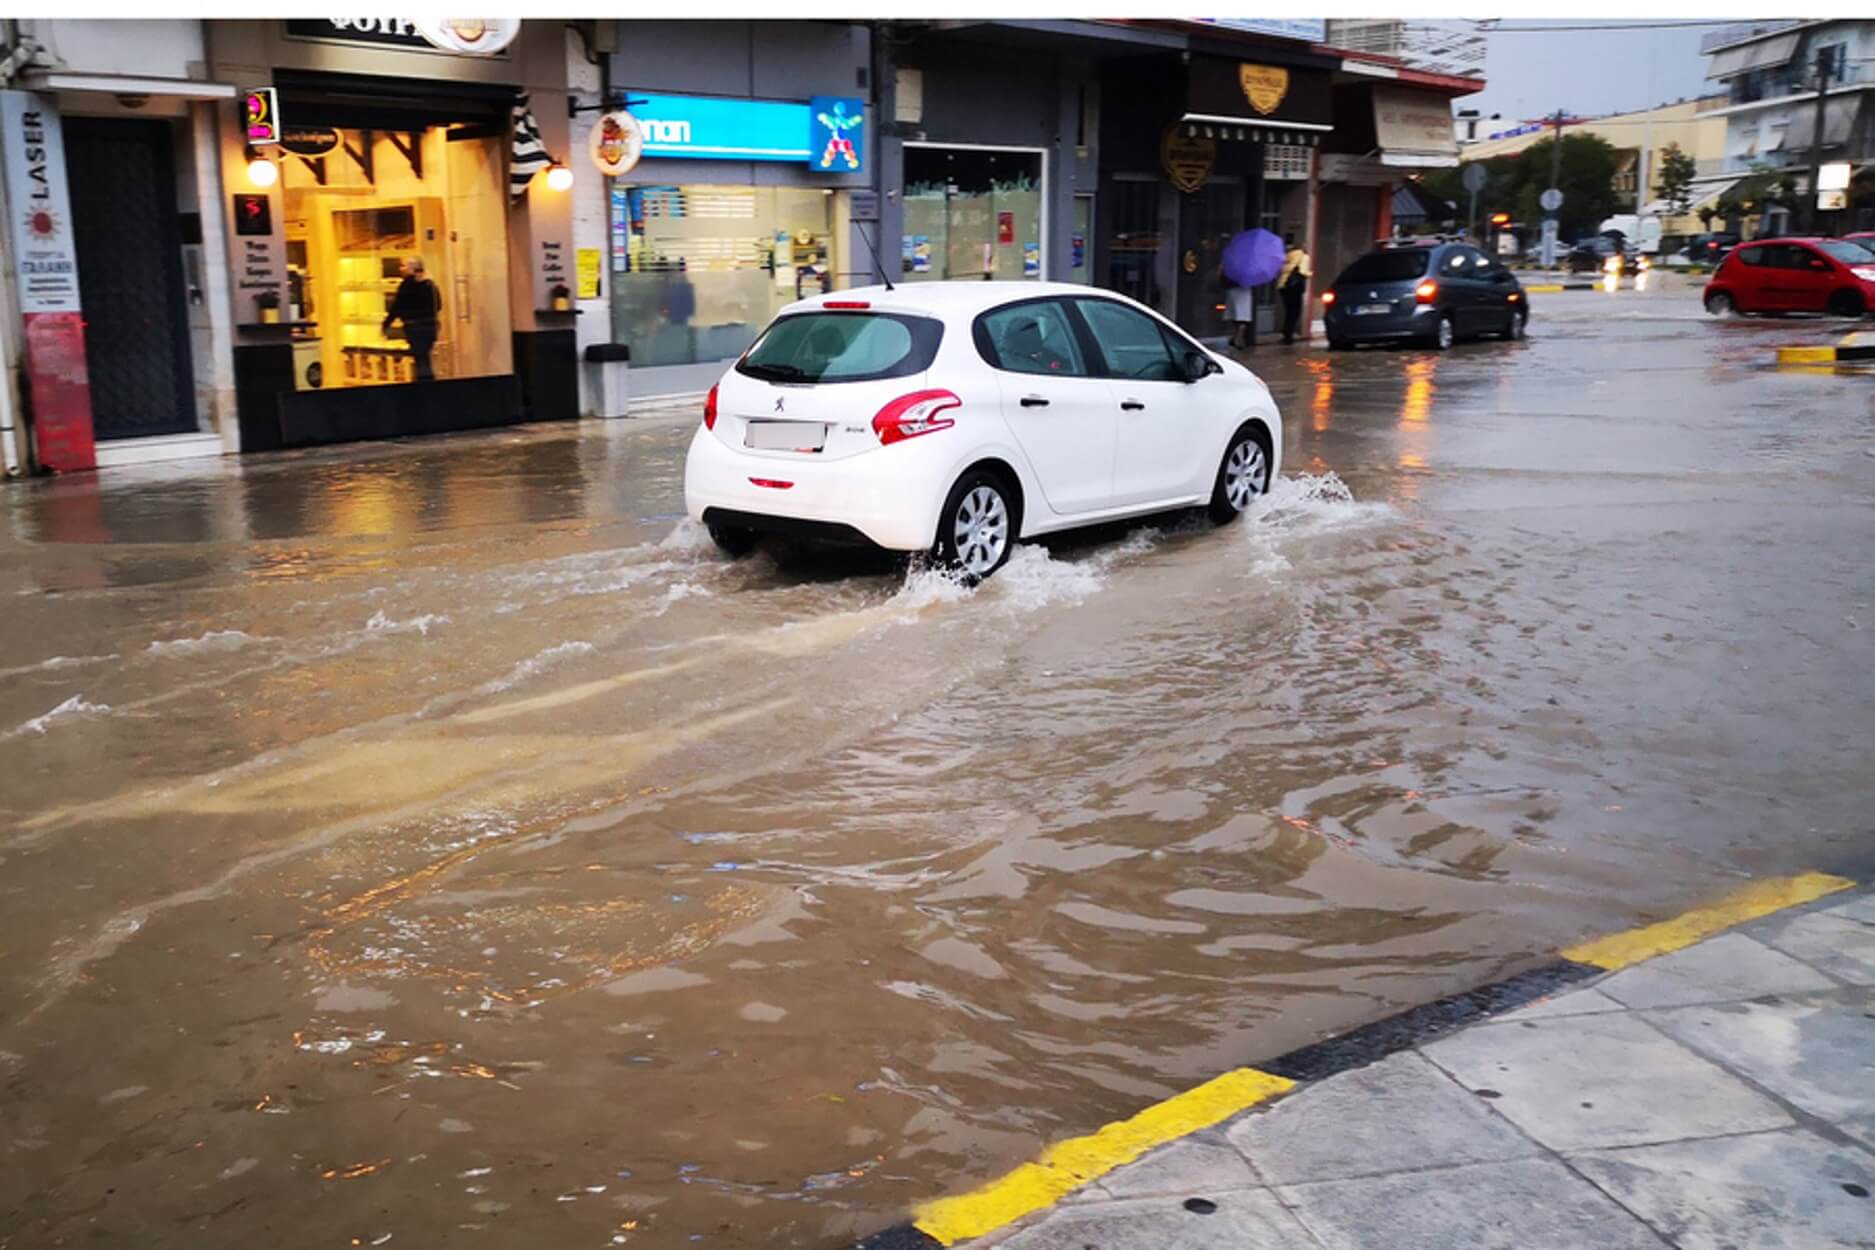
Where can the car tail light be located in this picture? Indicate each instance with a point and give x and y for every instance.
(847, 303)
(1328, 297)
(1427, 291)
(1514, 296)
(709, 409)
(908, 416)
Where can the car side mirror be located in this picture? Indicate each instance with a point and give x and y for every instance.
(1199, 366)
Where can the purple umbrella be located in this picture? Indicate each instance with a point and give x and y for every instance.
(1253, 258)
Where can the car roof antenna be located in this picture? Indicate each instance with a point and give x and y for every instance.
(876, 263)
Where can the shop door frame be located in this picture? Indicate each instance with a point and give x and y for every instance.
(1048, 265)
(163, 235)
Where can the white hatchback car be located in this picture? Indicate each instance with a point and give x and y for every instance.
(959, 417)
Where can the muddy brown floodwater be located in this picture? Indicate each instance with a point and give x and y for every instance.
(436, 844)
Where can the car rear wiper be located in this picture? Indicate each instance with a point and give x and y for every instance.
(780, 373)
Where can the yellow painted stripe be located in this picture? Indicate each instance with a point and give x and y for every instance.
(1545, 288)
(1806, 355)
(1070, 1164)
(1760, 898)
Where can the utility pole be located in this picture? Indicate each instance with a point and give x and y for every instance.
(1823, 59)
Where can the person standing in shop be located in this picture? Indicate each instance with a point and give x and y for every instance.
(419, 305)
(1292, 284)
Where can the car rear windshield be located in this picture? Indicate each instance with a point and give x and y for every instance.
(1400, 266)
(842, 347)
(1847, 251)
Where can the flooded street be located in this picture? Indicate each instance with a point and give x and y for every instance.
(439, 844)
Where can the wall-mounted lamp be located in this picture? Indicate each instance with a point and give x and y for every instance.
(262, 172)
(559, 177)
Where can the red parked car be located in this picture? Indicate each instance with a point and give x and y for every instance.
(1794, 275)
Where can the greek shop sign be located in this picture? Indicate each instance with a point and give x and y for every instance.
(827, 134)
(44, 254)
(466, 36)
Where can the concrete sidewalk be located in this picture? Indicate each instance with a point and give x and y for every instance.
(1719, 1096)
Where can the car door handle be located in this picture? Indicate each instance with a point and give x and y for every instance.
(1131, 405)
(1034, 401)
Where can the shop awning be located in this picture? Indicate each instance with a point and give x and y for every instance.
(1763, 54)
(1713, 194)
(1838, 124)
(116, 84)
(1413, 129)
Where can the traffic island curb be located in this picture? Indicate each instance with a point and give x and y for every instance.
(1854, 349)
(1069, 1165)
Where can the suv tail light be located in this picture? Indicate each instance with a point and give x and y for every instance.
(709, 409)
(1328, 297)
(908, 416)
(1426, 291)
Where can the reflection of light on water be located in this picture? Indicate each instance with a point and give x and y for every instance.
(1324, 401)
(1417, 406)
(1412, 460)
(1611, 282)
(1642, 278)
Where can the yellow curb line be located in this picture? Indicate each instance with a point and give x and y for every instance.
(1806, 355)
(1068, 1165)
(1760, 898)
(1544, 288)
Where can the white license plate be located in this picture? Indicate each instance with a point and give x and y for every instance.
(786, 435)
(1372, 310)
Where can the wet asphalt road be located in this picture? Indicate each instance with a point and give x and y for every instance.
(437, 844)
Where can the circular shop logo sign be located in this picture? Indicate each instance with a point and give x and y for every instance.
(616, 143)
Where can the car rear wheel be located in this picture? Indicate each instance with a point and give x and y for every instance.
(1242, 475)
(1444, 334)
(977, 526)
(1719, 304)
(1846, 304)
(733, 541)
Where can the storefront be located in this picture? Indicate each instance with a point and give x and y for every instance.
(742, 200)
(994, 147)
(1392, 124)
(112, 190)
(390, 277)
(1207, 146)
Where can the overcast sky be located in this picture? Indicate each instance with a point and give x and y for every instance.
(1587, 72)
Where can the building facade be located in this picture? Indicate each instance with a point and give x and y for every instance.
(248, 235)
(1770, 75)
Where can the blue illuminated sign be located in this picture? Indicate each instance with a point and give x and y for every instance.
(836, 128)
(827, 134)
(710, 128)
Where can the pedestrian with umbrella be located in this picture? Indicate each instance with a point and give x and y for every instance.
(1251, 258)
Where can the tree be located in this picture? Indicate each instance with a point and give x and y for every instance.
(1676, 178)
(1514, 182)
(1586, 179)
(1706, 213)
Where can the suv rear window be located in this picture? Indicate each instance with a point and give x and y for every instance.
(842, 347)
(1400, 266)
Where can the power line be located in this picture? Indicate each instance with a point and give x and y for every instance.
(1485, 28)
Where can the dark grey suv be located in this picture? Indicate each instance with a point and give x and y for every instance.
(1429, 291)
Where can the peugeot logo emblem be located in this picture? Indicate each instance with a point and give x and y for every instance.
(779, 402)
